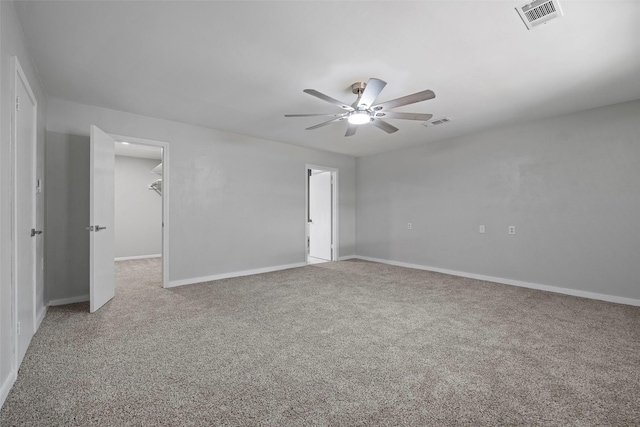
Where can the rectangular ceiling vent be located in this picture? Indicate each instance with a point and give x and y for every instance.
(437, 122)
(539, 12)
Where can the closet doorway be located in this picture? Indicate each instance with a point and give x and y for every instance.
(322, 224)
(141, 204)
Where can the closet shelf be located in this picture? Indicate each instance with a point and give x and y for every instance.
(156, 186)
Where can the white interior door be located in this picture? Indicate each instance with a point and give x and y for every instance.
(320, 218)
(101, 272)
(24, 212)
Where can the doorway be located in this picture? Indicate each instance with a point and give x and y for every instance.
(137, 201)
(141, 213)
(321, 218)
(138, 194)
(102, 211)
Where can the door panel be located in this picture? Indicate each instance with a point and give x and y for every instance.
(101, 271)
(25, 214)
(320, 210)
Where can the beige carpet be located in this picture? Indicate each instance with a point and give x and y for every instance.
(342, 343)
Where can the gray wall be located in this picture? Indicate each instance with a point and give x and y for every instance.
(138, 210)
(570, 184)
(236, 203)
(12, 44)
(67, 203)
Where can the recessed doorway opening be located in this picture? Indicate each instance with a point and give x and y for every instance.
(321, 214)
(141, 202)
(137, 201)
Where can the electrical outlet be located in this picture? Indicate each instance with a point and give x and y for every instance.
(409, 226)
(512, 229)
(481, 229)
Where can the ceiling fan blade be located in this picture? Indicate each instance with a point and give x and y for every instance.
(351, 130)
(384, 126)
(325, 123)
(329, 99)
(371, 92)
(313, 115)
(406, 100)
(404, 116)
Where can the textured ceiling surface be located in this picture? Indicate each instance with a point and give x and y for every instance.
(241, 66)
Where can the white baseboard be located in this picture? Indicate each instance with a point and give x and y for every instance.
(347, 257)
(6, 386)
(548, 288)
(127, 258)
(72, 300)
(191, 281)
(40, 316)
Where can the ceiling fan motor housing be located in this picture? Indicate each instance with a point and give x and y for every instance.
(358, 87)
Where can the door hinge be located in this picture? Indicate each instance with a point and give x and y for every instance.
(19, 328)
(17, 103)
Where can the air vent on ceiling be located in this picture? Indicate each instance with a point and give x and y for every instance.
(437, 122)
(539, 12)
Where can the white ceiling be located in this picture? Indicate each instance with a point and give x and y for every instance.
(241, 66)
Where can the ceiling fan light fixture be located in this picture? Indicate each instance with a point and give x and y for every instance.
(365, 110)
(359, 117)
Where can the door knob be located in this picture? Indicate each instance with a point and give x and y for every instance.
(98, 228)
(35, 232)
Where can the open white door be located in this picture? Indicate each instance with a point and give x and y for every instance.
(101, 273)
(320, 215)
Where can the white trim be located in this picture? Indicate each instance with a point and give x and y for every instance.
(65, 301)
(8, 382)
(165, 197)
(191, 281)
(6, 386)
(335, 255)
(127, 258)
(520, 283)
(14, 245)
(347, 258)
(41, 316)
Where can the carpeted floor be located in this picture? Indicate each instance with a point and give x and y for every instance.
(341, 343)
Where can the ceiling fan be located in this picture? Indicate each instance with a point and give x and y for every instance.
(365, 110)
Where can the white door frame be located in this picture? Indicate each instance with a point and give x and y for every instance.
(165, 197)
(17, 76)
(334, 210)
